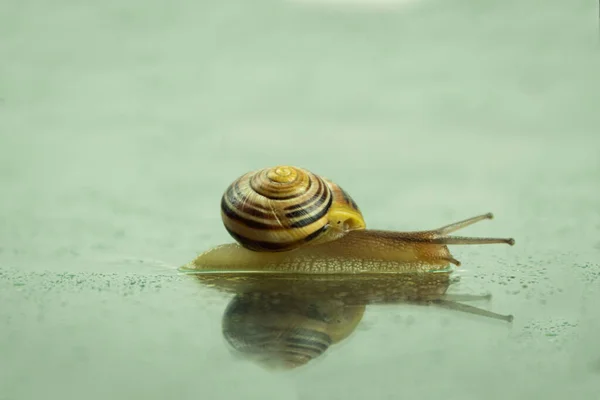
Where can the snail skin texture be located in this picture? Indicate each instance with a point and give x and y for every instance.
(287, 219)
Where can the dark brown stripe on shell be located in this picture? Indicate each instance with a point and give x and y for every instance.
(314, 217)
(348, 199)
(311, 205)
(319, 193)
(274, 246)
(247, 222)
(248, 207)
(244, 207)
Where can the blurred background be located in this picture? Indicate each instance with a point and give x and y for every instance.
(122, 123)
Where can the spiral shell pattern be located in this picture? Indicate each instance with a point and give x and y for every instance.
(276, 209)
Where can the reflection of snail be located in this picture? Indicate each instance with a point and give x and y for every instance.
(289, 219)
(283, 321)
(281, 331)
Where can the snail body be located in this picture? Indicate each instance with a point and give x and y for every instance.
(287, 219)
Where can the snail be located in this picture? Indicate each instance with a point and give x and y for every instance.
(283, 321)
(289, 219)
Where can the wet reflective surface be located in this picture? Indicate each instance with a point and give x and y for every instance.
(122, 123)
(284, 321)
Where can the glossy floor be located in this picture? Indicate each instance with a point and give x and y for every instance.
(121, 124)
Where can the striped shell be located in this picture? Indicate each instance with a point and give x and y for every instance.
(284, 207)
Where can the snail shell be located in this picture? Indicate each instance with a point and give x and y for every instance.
(282, 208)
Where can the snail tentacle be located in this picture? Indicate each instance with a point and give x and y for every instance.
(472, 240)
(439, 236)
(452, 260)
(442, 233)
(444, 230)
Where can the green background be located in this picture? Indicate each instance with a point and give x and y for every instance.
(122, 123)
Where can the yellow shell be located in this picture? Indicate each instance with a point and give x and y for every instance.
(284, 207)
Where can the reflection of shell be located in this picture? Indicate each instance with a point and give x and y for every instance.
(283, 320)
(281, 331)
